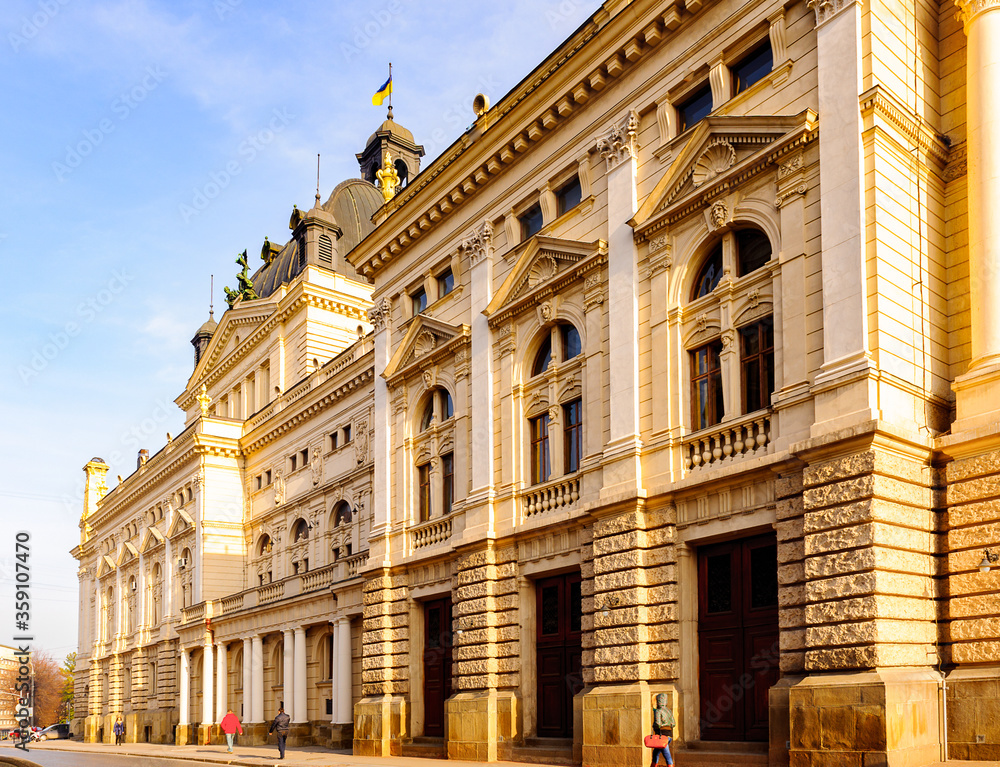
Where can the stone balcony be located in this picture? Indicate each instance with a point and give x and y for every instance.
(728, 441)
(560, 493)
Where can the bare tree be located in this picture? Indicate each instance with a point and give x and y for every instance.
(48, 679)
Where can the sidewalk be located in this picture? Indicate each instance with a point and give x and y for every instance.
(308, 756)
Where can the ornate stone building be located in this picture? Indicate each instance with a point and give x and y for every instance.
(680, 377)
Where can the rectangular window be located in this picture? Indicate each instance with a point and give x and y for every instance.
(694, 108)
(260, 481)
(347, 434)
(334, 440)
(419, 298)
(757, 364)
(569, 196)
(572, 435)
(531, 221)
(446, 283)
(294, 460)
(424, 491)
(706, 386)
(753, 67)
(540, 468)
(267, 475)
(305, 457)
(448, 482)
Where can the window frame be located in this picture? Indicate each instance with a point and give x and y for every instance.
(424, 500)
(739, 87)
(715, 391)
(447, 483)
(527, 218)
(571, 183)
(682, 108)
(418, 301)
(765, 357)
(541, 462)
(442, 282)
(572, 435)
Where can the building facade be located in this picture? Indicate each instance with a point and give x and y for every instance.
(675, 373)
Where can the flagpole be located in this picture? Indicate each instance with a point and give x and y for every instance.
(390, 90)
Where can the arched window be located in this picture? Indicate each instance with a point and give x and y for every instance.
(543, 358)
(300, 531)
(439, 405)
(264, 545)
(709, 274)
(753, 250)
(428, 415)
(571, 345)
(342, 514)
(435, 474)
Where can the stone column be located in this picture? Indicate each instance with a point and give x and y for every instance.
(842, 214)
(334, 676)
(975, 391)
(168, 565)
(288, 658)
(207, 683)
(222, 685)
(479, 246)
(300, 689)
(343, 706)
(380, 318)
(246, 714)
(257, 679)
(622, 472)
(183, 701)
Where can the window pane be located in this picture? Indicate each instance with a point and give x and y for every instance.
(571, 342)
(572, 435)
(419, 301)
(709, 274)
(751, 382)
(550, 610)
(448, 481)
(719, 584)
(424, 479)
(543, 358)
(706, 386)
(531, 221)
(447, 409)
(696, 107)
(569, 196)
(753, 250)
(764, 577)
(755, 66)
(446, 283)
(540, 449)
(428, 416)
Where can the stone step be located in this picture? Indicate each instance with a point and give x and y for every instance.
(545, 751)
(426, 748)
(691, 757)
(741, 746)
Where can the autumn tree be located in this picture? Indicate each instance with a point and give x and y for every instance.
(66, 697)
(48, 679)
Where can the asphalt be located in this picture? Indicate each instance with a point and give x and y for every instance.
(258, 756)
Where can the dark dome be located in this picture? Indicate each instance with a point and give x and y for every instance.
(352, 204)
(285, 267)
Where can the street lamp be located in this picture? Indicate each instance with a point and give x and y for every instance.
(989, 558)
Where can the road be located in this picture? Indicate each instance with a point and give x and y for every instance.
(70, 759)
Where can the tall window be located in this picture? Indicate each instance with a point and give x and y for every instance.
(572, 435)
(531, 221)
(300, 531)
(757, 364)
(540, 468)
(569, 196)
(706, 386)
(424, 491)
(694, 108)
(419, 299)
(447, 481)
(709, 274)
(753, 67)
(753, 250)
(446, 283)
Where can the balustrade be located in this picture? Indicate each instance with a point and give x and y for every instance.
(559, 494)
(728, 441)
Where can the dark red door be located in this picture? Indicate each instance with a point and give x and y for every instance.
(437, 664)
(737, 637)
(558, 612)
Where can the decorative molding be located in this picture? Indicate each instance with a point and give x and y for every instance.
(717, 215)
(827, 9)
(718, 157)
(789, 167)
(479, 244)
(658, 243)
(753, 298)
(379, 314)
(785, 196)
(620, 143)
(958, 162)
(425, 343)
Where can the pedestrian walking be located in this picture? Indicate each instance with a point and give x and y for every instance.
(230, 725)
(663, 726)
(280, 728)
(119, 730)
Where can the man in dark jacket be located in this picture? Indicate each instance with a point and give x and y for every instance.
(280, 727)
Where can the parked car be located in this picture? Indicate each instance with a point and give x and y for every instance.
(52, 732)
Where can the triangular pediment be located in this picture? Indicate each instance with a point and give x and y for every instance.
(236, 326)
(720, 151)
(425, 339)
(182, 521)
(543, 262)
(105, 565)
(127, 554)
(151, 540)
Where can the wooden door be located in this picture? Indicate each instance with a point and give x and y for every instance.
(558, 612)
(737, 637)
(437, 664)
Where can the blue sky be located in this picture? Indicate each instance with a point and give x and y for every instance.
(144, 144)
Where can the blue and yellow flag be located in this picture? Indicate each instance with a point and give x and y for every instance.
(382, 92)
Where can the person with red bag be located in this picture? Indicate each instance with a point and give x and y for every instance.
(663, 728)
(230, 725)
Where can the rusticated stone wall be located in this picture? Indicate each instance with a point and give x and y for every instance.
(381, 718)
(484, 715)
(635, 582)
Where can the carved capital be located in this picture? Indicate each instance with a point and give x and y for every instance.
(378, 315)
(621, 142)
(827, 9)
(969, 9)
(479, 244)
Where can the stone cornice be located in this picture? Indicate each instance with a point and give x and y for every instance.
(878, 101)
(508, 142)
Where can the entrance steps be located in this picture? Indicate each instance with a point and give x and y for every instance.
(545, 751)
(720, 754)
(428, 748)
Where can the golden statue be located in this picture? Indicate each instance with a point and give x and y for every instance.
(388, 178)
(204, 400)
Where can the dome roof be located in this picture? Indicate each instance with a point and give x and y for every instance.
(353, 203)
(393, 127)
(208, 326)
(285, 266)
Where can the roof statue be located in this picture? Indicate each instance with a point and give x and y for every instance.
(245, 289)
(388, 178)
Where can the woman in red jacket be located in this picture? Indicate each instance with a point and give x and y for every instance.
(230, 725)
